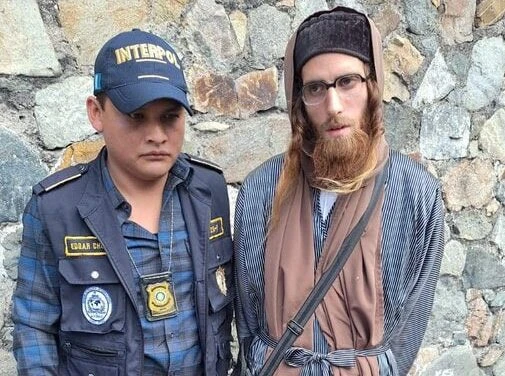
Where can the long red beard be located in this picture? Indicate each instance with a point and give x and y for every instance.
(342, 158)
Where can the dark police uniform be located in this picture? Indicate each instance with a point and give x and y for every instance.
(87, 242)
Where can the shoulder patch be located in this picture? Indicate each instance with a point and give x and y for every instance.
(60, 177)
(204, 163)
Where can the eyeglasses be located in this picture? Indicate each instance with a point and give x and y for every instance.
(346, 86)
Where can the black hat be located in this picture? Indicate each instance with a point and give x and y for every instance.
(342, 30)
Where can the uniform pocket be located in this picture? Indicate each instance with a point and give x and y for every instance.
(86, 360)
(220, 274)
(221, 292)
(92, 298)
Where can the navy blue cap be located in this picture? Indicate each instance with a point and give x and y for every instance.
(136, 67)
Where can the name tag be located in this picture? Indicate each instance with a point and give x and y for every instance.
(216, 228)
(83, 246)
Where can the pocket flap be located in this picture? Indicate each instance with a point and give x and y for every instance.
(220, 277)
(220, 252)
(217, 299)
(87, 270)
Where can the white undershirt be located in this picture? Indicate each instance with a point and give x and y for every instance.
(326, 201)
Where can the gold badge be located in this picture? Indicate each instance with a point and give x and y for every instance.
(221, 280)
(160, 299)
(159, 296)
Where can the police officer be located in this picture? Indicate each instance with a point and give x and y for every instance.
(125, 266)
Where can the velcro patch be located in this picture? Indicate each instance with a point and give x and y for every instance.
(83, 246)
(96, 305)
(216, 228)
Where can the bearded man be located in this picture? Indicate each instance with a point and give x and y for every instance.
(294, 211)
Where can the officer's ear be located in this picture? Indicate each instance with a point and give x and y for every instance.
(94, 108)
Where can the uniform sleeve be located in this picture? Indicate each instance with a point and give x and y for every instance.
(36, 307)
(241, 281)
(406, 343)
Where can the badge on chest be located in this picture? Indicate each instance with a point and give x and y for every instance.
(159, 296)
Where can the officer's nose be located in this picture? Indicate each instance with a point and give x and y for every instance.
(156, 132)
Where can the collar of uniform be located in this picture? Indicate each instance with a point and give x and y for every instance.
(178, 173)
(116, 198)
(181, 169)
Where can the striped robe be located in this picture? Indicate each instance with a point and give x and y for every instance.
(412, 248)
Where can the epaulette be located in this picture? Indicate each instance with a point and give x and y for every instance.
(60, 177)
(204, 163)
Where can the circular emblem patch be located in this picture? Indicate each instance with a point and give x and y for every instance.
(96, 305)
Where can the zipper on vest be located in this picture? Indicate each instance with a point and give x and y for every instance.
(94, 351)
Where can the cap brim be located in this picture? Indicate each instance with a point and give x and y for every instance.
(130, 98)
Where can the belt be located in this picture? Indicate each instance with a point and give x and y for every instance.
(306, 359)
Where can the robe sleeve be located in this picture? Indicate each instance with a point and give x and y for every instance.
(408, 337)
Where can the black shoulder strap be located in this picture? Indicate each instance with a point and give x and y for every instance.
(295, 326)
(59, 178)
(204, 163)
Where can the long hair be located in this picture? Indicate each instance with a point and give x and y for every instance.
(302, 130)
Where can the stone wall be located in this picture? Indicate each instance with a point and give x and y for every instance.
(445, 106)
